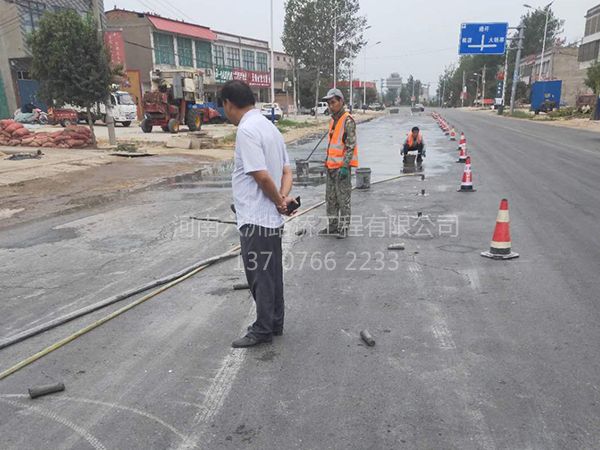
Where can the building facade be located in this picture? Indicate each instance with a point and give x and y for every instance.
(19, 19)
(284, 82)
(589, 50)
(559, 63)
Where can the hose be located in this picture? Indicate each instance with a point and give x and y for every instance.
(170, 280)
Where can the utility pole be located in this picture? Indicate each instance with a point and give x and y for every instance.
(272, 59)
(295, 81)
(513, 91)
(110, 123)
(483, 87)
(504, 81)
(382, 99)
(544, 42)
(462, 92)
(334, 46)
(351, 93)
(443, 93)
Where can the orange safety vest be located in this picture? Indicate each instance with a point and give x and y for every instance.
(410, 141)
(336, 147)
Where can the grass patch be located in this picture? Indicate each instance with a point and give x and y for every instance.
(519, 115)
(287, 124)
(228, 139)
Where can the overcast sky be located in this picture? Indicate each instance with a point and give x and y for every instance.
(416, 37)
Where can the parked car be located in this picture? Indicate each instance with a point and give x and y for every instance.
(376, 107)
(266, 110)
(420, 106)
(322, 108)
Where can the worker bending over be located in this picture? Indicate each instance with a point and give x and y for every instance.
(414, 142)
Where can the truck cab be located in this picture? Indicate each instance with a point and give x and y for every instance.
(124, 109)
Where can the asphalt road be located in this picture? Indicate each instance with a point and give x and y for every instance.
(470, 354)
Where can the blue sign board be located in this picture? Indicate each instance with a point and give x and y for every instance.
(482, 38)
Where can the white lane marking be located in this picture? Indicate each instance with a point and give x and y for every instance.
(215, 397)
(473, 277)
(91, 439)
(111, 405)
(442, 334)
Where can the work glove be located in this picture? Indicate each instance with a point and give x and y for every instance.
(343, 173)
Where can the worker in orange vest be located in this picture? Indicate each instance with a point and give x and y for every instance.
(414, 142)
(342, 155)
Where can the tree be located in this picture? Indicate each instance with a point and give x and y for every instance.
(593, 78)
(70, 61)
(533, 33)
(308, 35)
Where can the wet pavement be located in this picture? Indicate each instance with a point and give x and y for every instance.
(470, 353)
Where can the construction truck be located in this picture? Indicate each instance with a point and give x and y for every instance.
(174, 100)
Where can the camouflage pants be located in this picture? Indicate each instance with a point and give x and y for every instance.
(337, 196)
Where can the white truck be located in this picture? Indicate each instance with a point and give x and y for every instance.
(124, 109)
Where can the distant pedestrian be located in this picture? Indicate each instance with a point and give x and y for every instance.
(342, 155)
(261, 182)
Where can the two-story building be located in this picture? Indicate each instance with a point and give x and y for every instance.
(153, 42)
(589, 50)
(558, 63)
(19, 19)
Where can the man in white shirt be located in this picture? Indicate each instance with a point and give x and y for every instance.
(261, 183)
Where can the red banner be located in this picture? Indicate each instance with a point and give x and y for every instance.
(116, 47)
(356, 84)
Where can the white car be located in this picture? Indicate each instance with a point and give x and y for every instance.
(267, 110)
(322, 108)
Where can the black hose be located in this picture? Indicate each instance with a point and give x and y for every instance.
(316, 146)
(11, 340)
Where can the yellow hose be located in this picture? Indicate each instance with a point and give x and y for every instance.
(141, 300)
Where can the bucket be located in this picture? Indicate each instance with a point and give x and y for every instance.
(302, 168)
(409, 164)
(363, 178)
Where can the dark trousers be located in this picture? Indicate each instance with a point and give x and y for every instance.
(262, 256)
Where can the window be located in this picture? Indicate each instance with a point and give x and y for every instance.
(185, 53)
(32, 13)
(592, 25)
(589, 51)
(248, 60)
(261, 62)
(219, 56)
(203, 55)
(233, 57)
(163, 49)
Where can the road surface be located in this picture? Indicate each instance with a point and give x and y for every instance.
(471, 353)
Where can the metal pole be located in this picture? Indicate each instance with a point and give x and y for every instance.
(483, 86)
(544, 43)
(351, 97)
(272, 60)
(462, 92)
(504, 81)
(513, 91)
(477, 90)
(110, 123)
(335, 47)
(365, 82)
(443, 92)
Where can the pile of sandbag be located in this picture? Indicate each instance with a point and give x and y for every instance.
(15, 134)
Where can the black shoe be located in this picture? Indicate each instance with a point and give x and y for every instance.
(275, 332)
(249, 341)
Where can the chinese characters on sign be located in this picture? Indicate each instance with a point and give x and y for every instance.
(258, 79)
(116, 47)
(482, 38)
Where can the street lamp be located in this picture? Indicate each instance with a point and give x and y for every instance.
(365, 81)
(477, 91)
(547, 8)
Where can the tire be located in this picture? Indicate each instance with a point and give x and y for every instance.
(165, 129)
(173, 126)
(146, 126)
(126, 123)
(193, 120)
(65, 123)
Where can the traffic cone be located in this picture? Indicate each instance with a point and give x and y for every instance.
(452, 134)
(463, 141)
(500, 247)
(462, 155)
(466, 185)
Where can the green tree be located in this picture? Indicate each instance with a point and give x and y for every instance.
(593, 78)
(308, 36)
(70, 61)
(533, 33)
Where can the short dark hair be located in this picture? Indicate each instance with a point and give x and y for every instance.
(415, 129)
(238, 93)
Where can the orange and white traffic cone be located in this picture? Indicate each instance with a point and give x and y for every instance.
(500, 247)
(462, 148)
(466, 185)
(452, 134)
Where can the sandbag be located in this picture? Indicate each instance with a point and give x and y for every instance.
(75, 143)
(14, 142)
(21, 132)
(13, 127)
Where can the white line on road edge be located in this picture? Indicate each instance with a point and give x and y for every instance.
(91, 439)
(215, 397)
